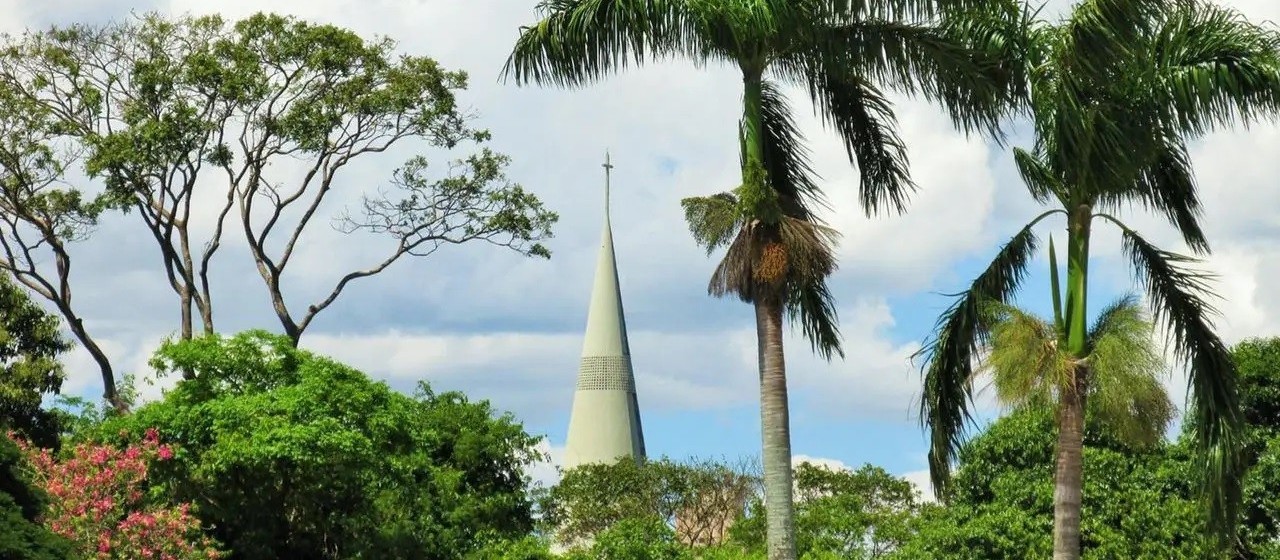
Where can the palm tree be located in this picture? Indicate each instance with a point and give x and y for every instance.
(846, 56)
(1117, 90)
(1028, 366)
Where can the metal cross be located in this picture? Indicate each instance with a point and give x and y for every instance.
(607, 168)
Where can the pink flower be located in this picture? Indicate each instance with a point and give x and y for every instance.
(96, 500)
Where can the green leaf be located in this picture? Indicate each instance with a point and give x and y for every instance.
(1055, 291)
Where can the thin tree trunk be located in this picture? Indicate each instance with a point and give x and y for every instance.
(1068, 477)
(206, 314)
(188, 332)
(184, 303)
(109, 392)
(775, 427)
(291, 330)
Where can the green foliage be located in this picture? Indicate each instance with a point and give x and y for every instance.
(643, 538)
(860, 514)
(1139, 501)
(288, 454)
(593, 498)
(22, 537)
(30, 345)
(628, 509)
(1258, 361)
(1260, 525)
(527, 548)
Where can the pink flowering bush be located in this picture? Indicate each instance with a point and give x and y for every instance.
(95, 500)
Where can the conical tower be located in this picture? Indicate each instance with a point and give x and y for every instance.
(604, 424)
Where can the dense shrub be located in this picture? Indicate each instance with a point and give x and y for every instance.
(291, 455)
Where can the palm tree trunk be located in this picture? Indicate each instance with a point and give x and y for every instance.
(775, 427)
(1068, 477)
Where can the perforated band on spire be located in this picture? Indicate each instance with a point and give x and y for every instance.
(606, 373)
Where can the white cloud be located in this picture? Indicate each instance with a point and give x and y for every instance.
(920, 479)
(546, 472)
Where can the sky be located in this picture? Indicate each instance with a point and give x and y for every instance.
(501, 327)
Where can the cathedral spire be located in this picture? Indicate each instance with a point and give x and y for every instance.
(604, 424)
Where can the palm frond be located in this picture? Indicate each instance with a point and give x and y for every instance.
(1001, 38)
(733, 273)
(786, 159)
(892, 10)
(581, 41)
(1133, 404)
(969, 59)
(713, 220)
(863, 117)
(1025, 361)
(812, 307)
(1084, 103)
(1101, 35)
(811, 249)
(950, 353)
(1178, 300)
(1039, 179)
(1115, 317)
(1169, 186)
(1125, 365)
(1215, 67)
(1055, 290)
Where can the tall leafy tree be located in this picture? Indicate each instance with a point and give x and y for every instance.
(1117, 90)
(847, 56)
(150, 105)
(42, 216)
